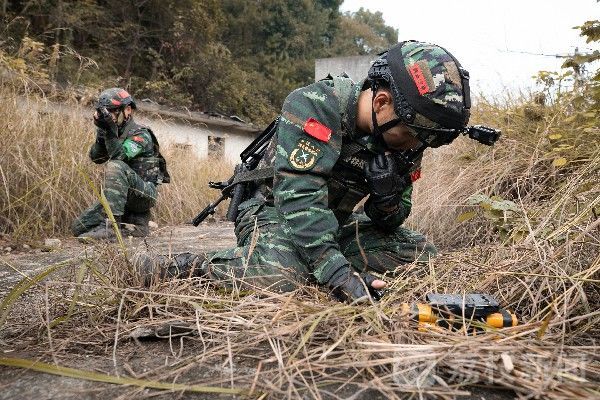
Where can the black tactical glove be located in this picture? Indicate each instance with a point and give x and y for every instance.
(100, 136)
(385, 183)
(104, 121)
(348, 285)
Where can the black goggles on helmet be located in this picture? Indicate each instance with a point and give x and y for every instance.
(436, 137)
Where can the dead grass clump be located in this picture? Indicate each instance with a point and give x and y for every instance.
(42, 165)
(305, 344)
(515, 191)
(188, 193)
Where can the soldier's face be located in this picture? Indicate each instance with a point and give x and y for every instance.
(118, 116)
(399, 138)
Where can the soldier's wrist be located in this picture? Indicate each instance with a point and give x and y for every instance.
(327, 264)
(335, 273)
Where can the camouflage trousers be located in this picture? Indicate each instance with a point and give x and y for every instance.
(266, 257)
(125, 191)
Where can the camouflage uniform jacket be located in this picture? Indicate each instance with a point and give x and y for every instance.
(318, 157)
(136, 146)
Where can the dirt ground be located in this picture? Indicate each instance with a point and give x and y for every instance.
(135, 357)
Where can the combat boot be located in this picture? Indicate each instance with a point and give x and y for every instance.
(104, 231)
(151, 267)
(136, 224)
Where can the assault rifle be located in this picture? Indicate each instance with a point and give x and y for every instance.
(235, 187)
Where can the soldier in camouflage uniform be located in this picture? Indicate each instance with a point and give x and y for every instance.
(134, 168)
(335, 145)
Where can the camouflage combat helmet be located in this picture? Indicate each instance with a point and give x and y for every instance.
(430, 90)
(115, 98)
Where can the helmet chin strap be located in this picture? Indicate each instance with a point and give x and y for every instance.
(379, 130)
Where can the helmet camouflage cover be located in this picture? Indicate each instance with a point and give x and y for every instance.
(430, 89)
(115, 98)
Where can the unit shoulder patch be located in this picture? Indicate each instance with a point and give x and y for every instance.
(317, 130)
(304, 156)
(131, 148)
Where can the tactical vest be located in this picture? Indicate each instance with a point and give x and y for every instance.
(346, 185)
(151, 168)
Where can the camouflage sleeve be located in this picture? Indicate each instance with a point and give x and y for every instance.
(305, 156)
(98, 153)
(131, 147)
(114, 148)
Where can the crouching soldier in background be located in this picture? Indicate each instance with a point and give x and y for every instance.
(134, 168)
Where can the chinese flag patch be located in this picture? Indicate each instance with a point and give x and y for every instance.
(317, 130)
(138, 139)
(419, 78)
(416, 174)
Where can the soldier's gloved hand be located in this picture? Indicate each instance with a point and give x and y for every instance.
(385, 183)
(103, 120)
(100, 136)
(348, 285)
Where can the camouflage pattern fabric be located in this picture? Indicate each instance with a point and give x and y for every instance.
(126, 193)
(135, 146)
(266, 257)
(300, 226)
(130, 174)
(434, 73)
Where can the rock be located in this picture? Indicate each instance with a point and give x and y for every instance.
(152, 225)
(52, 242)
(8, 249)
(26, 247)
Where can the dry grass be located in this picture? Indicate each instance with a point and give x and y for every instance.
(305, 345)
(519, 168)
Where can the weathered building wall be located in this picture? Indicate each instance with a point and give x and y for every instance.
(198, 133)
(356, 66)
(194, 137)
(187, 131)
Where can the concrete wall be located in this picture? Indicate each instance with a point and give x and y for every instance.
(195, 135)
(356, 66)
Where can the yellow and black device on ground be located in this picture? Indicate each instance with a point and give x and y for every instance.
(453, 311)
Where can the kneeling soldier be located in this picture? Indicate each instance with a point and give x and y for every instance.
(134, 168)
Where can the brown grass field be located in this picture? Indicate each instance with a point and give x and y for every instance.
(514, 221)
